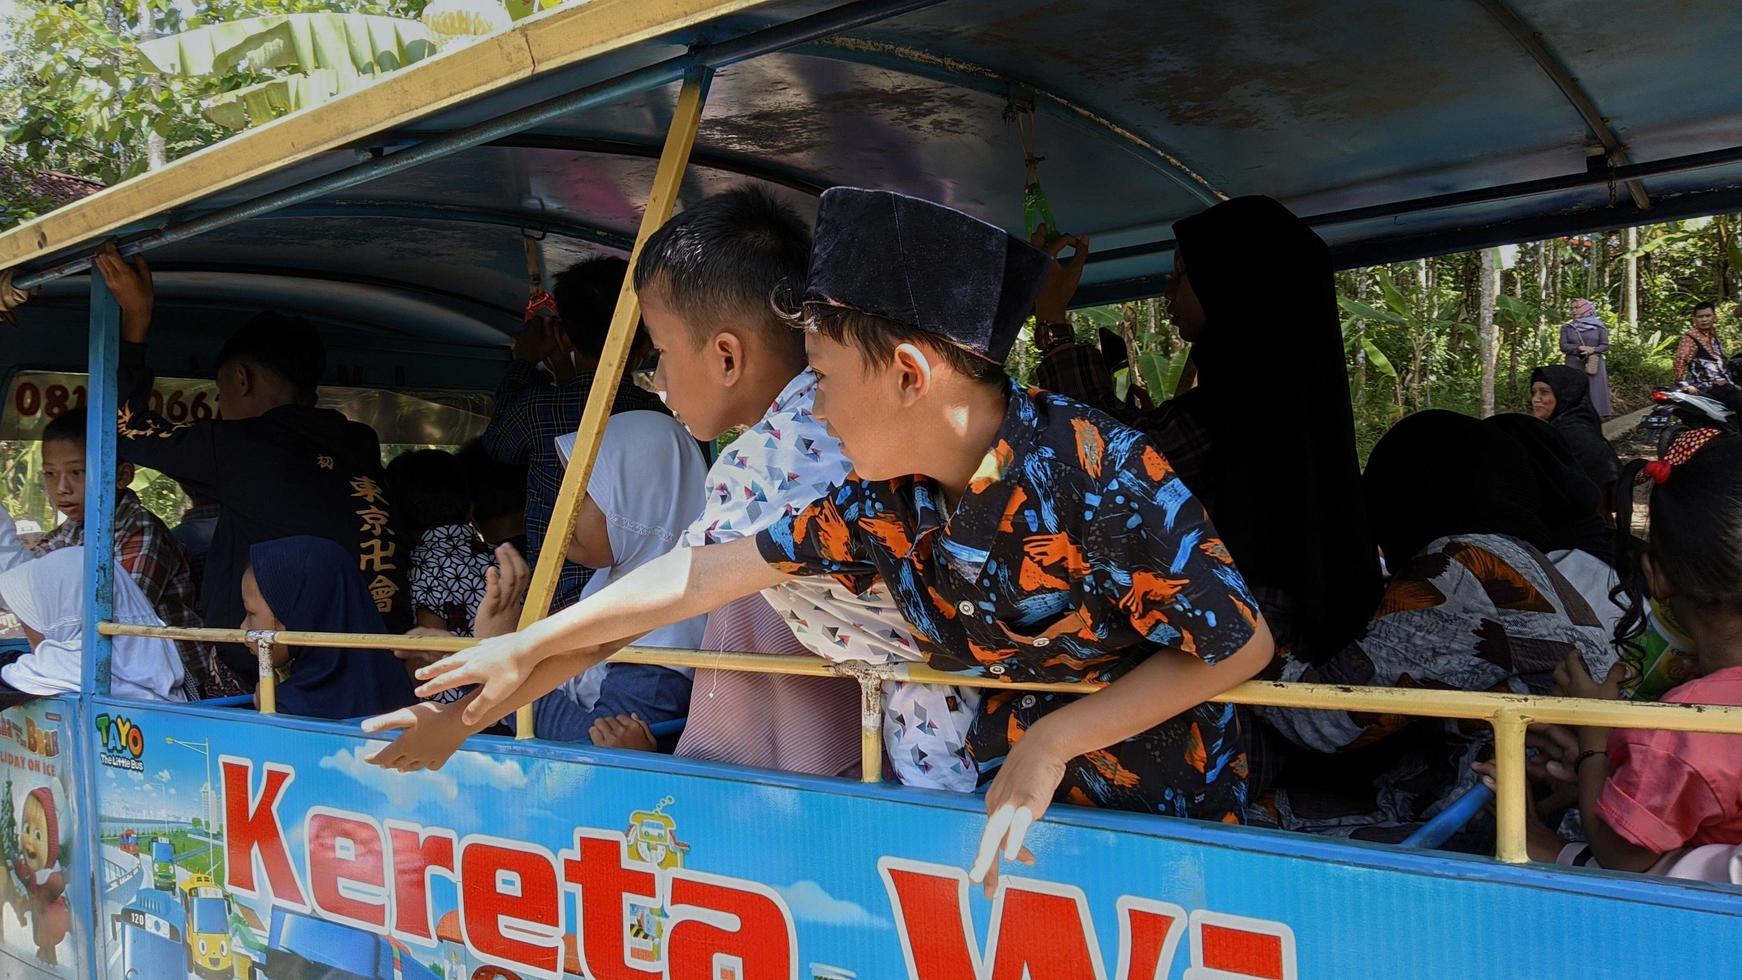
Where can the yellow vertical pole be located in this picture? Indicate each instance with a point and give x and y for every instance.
(1510, 790)
(667, 181)
(870, 729)
(266, 693)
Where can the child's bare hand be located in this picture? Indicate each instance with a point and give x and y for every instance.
(1487, 771)
(421, 658)
(623, 732)
(1557, 746)
(1019, 795)
(498, 666)
(1574, 681)
(504, 594)
(429, 735)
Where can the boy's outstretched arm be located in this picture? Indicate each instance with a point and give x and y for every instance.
(680, 584)
(1166, 684)
(430, 732)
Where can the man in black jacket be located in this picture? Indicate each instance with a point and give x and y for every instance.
(276, 465)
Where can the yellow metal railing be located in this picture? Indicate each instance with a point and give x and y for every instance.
(1508, 714)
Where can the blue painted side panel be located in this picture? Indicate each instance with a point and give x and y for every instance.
(822, 857)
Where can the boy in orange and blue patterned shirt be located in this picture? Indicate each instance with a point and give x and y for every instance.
(1039, 540)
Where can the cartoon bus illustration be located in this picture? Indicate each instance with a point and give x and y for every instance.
(163, 865)
(129, 842)
(150, 932)
(209, 947)
(651, 837)
(303, 947)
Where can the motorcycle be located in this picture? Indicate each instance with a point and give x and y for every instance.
(1676, 411)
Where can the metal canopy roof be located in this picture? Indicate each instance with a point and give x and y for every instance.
(1403, 128)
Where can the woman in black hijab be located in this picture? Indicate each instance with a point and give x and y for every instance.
(1561, 396)
(1570, 504)
(1267, 438)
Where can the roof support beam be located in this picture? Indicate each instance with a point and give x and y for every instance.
(523, 219)
(1533, 44)
(925, 64)
(724, 163)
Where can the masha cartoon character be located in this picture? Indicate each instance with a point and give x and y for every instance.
(38, 867)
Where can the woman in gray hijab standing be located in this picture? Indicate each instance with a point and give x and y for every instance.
(1585, 341)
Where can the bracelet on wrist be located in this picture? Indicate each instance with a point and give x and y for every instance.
(1586, 756)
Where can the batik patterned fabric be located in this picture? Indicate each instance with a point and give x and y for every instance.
(1700, 360)
(447, 575)
(1075, 554)
(771, 472)
(1470, 613)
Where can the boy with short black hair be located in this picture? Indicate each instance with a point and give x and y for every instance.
(144, 548)
(727, 359)
(1040, 540)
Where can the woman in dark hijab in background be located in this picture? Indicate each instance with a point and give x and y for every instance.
(1267, 438)
(1561, 396)
(1571, 505)
(310, 584)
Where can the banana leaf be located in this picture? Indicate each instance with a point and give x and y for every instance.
(351, 44)
(269, 100)
(1161, 372)
(1377, 358)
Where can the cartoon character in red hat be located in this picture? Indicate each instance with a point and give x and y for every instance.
(38, 868)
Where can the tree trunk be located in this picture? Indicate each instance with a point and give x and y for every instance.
(1488, 287)
(1518, 329)
(1721, 268)
(156, 154)
(1360, 332)
(1557, 288)
(1630, 285)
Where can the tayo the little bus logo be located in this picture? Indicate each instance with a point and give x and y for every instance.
(123, 742)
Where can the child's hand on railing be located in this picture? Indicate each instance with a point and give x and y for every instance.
(414, 659)
(498, 666)
(429, 734)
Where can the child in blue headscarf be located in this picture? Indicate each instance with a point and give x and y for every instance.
(312, 584)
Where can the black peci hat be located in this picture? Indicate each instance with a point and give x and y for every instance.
(924, 265)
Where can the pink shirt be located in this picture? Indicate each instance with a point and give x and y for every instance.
(1668, 790)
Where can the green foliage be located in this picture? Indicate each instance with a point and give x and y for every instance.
(1639, 363)
(318, 56)
(79, 94)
